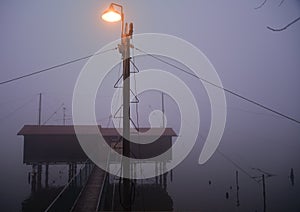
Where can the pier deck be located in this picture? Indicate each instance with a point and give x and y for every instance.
(88, 200)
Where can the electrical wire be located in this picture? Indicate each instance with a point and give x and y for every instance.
(54, 67)
(14, 100)
(135, 89)
(119, 95)
(137, 121)
(17, 109)
(225, 89)
(236, 165)
(221, 153)
(233, 162)
(54, 113)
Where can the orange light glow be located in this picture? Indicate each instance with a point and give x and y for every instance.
(111, 15)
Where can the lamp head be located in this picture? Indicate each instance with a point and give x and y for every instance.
(111, 15)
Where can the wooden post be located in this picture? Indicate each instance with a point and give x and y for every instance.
(74, 173)
(237, 188)
(70, 171)
(292, 176)
(75, 169)
(86, 170)
(33, 178)
(165, 176)
(80, 180)
(39, 176)
(160, 174)
(163, 109)
(134, 171)
(156, 172)
(47, 175)
(40, 109)
(64, 115)
(264, 192)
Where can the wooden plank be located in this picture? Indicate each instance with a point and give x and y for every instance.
(88, 200)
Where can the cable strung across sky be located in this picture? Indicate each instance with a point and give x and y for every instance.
(225, 89)
(54, 67)
(168, 63)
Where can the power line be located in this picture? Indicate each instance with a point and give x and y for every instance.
(135, 88)
(54, 113)
(225, 89)
(236, 165)
(54, 67)
(14, 100)
(17, 109)
(233, 162)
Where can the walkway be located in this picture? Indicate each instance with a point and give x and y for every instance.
(89, 199)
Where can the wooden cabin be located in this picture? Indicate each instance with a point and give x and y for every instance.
(54, 144)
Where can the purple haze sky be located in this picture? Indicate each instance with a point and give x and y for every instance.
(250, 59)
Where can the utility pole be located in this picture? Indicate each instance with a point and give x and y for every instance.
(125, 50)
(112, 15)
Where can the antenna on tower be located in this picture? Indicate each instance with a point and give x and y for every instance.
(64, 115)
(163, 109)
(40, 109)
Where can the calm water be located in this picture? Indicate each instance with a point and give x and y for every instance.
(194, 186)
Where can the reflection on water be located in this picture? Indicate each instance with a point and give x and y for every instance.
(211, 187)
(201, 189)
(45, 183)
(144, 194)
(39, 200)
(147, 195)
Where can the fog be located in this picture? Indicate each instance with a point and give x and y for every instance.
(251, 60)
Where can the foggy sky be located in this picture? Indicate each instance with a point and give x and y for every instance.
(250, 59)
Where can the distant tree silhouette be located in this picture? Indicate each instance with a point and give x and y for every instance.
(261, 5)
(278, 29)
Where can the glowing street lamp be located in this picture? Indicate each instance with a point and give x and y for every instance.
(112, 15)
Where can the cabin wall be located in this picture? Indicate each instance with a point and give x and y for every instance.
(144, 151)
(153, 149)
(66, 149)
(52, 149)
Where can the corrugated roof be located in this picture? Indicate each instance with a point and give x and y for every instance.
(85, 130)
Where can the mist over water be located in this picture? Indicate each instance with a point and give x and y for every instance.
(250, 60)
